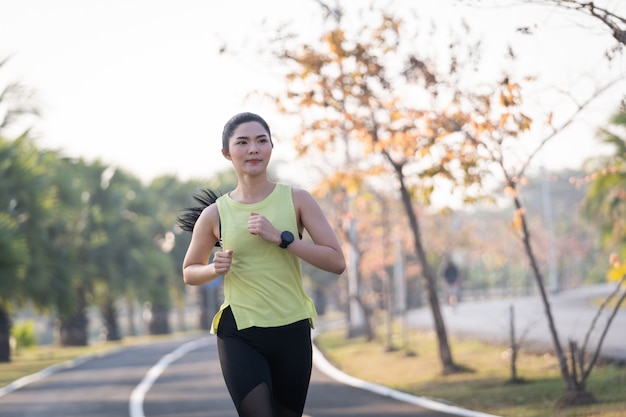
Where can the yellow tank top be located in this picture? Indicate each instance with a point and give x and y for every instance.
(264, 285)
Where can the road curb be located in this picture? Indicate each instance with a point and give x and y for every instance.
(321, 363)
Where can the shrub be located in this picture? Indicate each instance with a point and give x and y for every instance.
(23, 335)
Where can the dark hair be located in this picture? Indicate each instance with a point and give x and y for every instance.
(189, 215)
(240, 119)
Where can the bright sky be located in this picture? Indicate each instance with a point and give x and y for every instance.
(141, 84)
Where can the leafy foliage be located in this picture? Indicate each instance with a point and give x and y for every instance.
(605, 200)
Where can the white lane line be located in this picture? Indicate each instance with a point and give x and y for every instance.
(135, 406)
(323, 365)
(46, 372)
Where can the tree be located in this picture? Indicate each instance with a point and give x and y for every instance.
(599, 11)
(390, 113)
(29, 203)
(13, 250)
(26, 200)
(605, 201)
(126, 244)
(85, 238)
(605, 14)
(504, 121)
(605, 204)
(17, 107)
(172, 195)
(497, 134)
(463, 135)
(127, 257)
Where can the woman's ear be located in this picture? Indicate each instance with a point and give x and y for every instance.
(226, 154)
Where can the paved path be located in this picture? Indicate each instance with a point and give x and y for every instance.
(99, 387)
(183, 379)
(489, 320)
(188, 385)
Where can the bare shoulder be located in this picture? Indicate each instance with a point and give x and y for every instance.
(210, 212)
(301, 196)
(307, 207)
(209, 220)
(313, 220)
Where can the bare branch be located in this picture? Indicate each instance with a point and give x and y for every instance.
(571, 119)
(596, 354)
(599, 312)
(604, 15)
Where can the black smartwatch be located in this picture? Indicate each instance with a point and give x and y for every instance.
(286, 238)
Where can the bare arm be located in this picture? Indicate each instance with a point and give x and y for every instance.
(324, 252)
(196, 269)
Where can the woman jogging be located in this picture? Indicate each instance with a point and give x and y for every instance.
(264, 325)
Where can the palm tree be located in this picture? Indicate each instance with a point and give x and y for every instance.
(605, 201)
(28, 204)
(20, 185)
(17, 104)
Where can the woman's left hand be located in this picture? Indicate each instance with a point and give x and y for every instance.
(260, 226)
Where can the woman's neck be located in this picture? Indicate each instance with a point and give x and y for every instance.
(252, 190)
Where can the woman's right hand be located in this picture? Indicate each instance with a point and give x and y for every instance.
(222, 261)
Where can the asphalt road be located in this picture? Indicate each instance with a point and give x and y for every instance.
(98, 387)
(182, 379)
(573, 313)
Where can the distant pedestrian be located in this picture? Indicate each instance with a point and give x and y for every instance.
(264, 325)
(451, 276)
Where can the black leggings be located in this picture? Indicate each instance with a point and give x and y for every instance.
(266, 370)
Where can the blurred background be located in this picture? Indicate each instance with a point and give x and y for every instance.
(485, 135)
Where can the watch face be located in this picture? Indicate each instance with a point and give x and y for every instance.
(287, 238)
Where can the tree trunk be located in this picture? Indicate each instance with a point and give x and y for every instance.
(445, 355)
(72, 331)
(576, 393)
(158, 313)
(514, 345)
(5, 336)
(159, 323)
(368, 325)
(357, 322)
(109, 315)
(576, 397)
(565, 374)
(130, 317)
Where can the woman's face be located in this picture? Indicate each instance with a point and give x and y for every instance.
(250, 148)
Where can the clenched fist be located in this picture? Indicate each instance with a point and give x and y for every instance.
(222, 261)
(260, 226)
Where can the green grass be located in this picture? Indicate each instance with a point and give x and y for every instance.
(485, 387)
